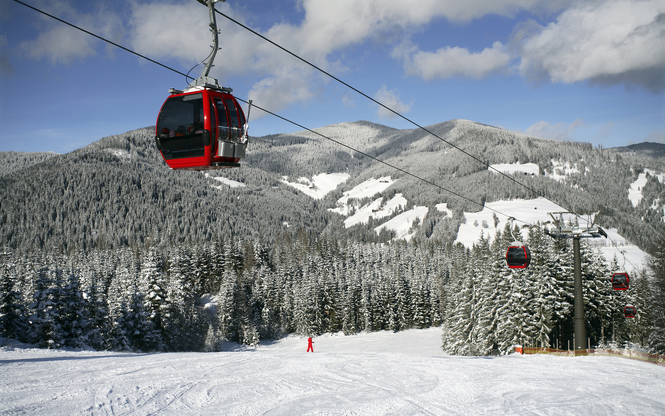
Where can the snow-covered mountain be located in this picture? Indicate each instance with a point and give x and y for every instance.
(312, 236)
(309, 182)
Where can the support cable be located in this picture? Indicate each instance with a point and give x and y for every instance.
(101, 38)
(376, 159)
(376, 101)
(533, 191)
(299, 125)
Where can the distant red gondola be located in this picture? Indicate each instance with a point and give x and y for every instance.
(518, 257)
(629, 311)
(620, 281)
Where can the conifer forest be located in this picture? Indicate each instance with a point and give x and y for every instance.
(106, 248)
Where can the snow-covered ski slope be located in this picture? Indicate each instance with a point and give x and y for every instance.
(635, 191)
(369, 374)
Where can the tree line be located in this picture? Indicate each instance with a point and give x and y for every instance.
(195, 297)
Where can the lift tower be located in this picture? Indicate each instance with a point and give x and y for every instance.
(577, 227)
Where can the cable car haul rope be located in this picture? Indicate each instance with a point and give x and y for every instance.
(203, 127)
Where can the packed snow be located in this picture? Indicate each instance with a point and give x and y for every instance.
(510, 168)
(379, 373)
(530, 211)
(225, 181)
(444, 208)
(635, 191)
(377, 209)
(403, 222)
(320, 185)
(476, 223)
(366, 189)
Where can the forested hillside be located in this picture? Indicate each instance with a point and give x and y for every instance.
(107, 247)
(118, 191)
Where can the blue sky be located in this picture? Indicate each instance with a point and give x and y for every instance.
(591, 71)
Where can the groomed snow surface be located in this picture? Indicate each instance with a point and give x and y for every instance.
(369, 374)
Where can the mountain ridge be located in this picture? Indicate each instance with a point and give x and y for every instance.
(118, 190)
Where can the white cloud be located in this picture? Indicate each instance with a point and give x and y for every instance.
(63, 44)
(454, 62)
(348, 101)
(180, 31)
(557, 131)
(278, 92)
(605, 42)
(605, 131)
(657, 136)
(170, 31)
(392, 101)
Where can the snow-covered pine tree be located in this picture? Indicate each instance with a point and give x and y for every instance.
(140, 329)
(44, 329)
(184, 323)
(517, 325)
(73, 314)
(560, 255)
(226, 306)
(458, 327)
(121, 330)
(153, 278)
(98, 316)
(543, 283)
(491, 260)
(656, 300)
(12, 312)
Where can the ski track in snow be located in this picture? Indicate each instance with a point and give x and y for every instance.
(380, 373)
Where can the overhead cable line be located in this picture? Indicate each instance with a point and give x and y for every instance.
(622, 252)
(376, 159)
(533, 191)
(376, 101)
(278, 116)
(101, 38)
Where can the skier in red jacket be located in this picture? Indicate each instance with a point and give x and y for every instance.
(310, 345)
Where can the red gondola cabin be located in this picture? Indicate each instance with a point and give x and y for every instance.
(201, 129)
(518, 257)
(620, 281)
(629, 311)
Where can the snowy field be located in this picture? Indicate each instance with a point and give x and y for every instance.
(369, 374)
(225, 181)
(510, 168)
(320, 185)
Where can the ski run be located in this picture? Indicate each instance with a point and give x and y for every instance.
(403, 373)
